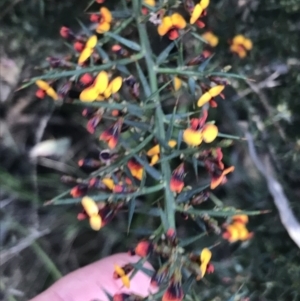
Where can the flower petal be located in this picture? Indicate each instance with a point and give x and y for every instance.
(165, 26)
(205, 256)
(206, 97)
(109, 183)
(216, 90)
(204, 3)
(89, 94)
(84, 55)
(42, 85)
(209, 133)
(101, 82)
(116, 84)
(177, 83)
(103, 27)
(106, 14)
(91, 42)
(248, 44)
(238, 39)
(154, 160)
(155, 150)
(90, 206)
(172, 143)
(178, 21)
(191, 137)
(95, 222)
(198, 10)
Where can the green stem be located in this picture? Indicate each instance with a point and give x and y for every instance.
(57, 75)
(159, 115)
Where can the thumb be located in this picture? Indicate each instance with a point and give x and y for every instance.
(91, 282)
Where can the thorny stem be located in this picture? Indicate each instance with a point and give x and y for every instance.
(159, 115)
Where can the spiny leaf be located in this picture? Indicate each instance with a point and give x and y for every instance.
(130, 44)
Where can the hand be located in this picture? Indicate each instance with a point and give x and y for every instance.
(85, 284)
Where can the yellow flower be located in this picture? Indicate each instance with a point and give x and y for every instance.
(47, 89)
(105, 20)
(170, 25)
(88, 49)
(240, 45)
(92, 210)
(205, 258)
(192, 137)
(101, 88)
(198, 10)
(211, 39)
(177, 83)
(121, 273)
(237, 229)
(210, 94)
(155, 151)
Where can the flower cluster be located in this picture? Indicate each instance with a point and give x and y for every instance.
(144, 148)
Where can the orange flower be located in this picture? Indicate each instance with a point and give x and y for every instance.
(88, 49)
(198, 12)
(176, 183)
(155, 151)
(121, 274)
(105, 20)
(240, 45)
(102, 88)
(210, 95)
(170, 25)
(111, 135)
(47, 89)
(136, 169)
(199, 130)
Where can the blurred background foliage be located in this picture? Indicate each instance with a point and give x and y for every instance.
(267, 267)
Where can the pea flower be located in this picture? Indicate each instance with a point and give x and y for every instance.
(79, 190)
(205, 258)
(120, 273)
(92, 211)
(104, 19)
(210, 95)
(102, 88)
(136, 169)
(240, 45)
(45, 88)
(211, 38)
(88, 49)
(155, 151)
(112, 134)
(198, 12)
(176, 183)
(237, 230)
(200, 131)
(171, 25)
